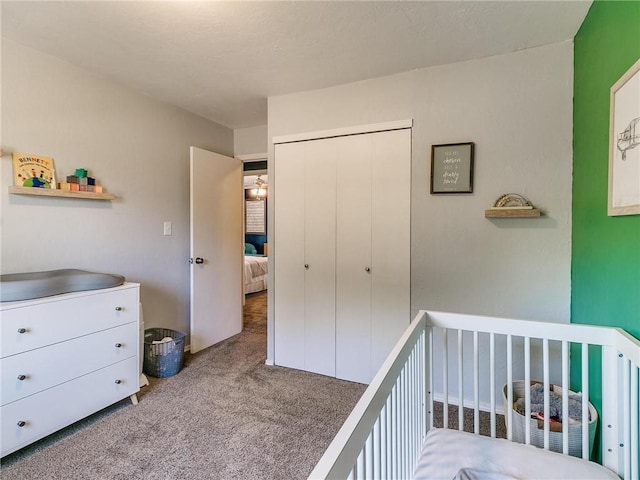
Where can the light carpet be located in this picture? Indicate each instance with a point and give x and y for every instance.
(226, 415)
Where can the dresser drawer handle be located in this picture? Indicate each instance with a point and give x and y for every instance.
(22, 423)
(22, 377)
(118, 382)
(118, 345)
(22, 330)
(118, 309)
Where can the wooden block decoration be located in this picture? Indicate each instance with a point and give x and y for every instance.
(99, 189)
(74, 187)
(91, 181)
(72, 179)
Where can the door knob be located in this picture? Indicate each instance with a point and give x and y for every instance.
(306, 266)
(199, 260)
(367, 269)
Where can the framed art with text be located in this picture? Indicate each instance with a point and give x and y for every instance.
(452, 168)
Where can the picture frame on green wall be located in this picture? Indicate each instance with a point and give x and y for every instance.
(624, 144)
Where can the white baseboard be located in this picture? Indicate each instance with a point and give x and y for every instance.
(269, 362)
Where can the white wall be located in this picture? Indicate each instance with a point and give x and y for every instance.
(248, 141)
(517, 108)
(136, 147)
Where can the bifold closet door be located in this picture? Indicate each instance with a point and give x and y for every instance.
(304, 271)
(288, 237)
(372, 250)
(353, 259)
(390, 241)
(320, 256)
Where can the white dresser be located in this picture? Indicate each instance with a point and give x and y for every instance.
(65, 357)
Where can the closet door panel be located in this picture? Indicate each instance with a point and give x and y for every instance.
(289, 255)
(320, 256)
(391, 238)
(353, 259)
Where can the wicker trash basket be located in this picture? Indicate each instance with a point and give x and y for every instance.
(537, 426)
(163, 352)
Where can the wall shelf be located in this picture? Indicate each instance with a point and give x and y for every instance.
(48, 192)
(510, 212)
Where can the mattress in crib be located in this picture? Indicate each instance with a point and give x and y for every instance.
(451, 454)
(27, 286)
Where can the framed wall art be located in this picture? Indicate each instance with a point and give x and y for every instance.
(452, 168)
(255, 223)
(624, 144)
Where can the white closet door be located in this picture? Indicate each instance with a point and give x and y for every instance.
(353, 258)
(320, 256)
(289, 274)
(391, 241)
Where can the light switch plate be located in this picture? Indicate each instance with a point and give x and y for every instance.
(167, 228)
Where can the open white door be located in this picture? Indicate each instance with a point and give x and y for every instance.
(217, 248)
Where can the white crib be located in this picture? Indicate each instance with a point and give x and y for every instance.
(447, 357)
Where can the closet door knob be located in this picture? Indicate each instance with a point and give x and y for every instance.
(306, 266)
(22, 377)
(118, 381)
(118, 345)
(22, 330)
(22, 423)
(367, 269)
(118, 309)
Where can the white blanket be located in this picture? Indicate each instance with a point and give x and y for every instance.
(255, 273)
(445, 452)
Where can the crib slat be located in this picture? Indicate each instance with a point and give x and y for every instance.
(394, 432)
(476, 385)
(565, 396)
(460, 380)
(585, 401)
(626, 407)
(635, 412)
(405, 421)
(527, 390)
(368, 457)
(492, 381)
(545, 373)
(377, 448)
(431, 378)
(445, 378)
(412, 407)
(360, 474)
(384, 439)
(509, 411)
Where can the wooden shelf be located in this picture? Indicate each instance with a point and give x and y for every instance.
(512, 212)
(48, 192)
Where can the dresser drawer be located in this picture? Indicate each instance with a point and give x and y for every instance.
(36, 323)
(57, 407)
(30, 372)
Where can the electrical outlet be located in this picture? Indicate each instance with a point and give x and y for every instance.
(167, 228)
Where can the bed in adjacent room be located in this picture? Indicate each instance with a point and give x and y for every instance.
(255, 270)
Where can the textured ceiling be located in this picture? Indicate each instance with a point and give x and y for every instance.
(221, 60)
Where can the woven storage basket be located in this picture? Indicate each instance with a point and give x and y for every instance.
(163, 359)
(537, 426)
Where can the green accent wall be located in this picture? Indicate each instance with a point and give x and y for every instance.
(605, 276)
(605, 266)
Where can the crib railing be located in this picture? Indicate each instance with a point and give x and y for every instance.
(383, 435)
